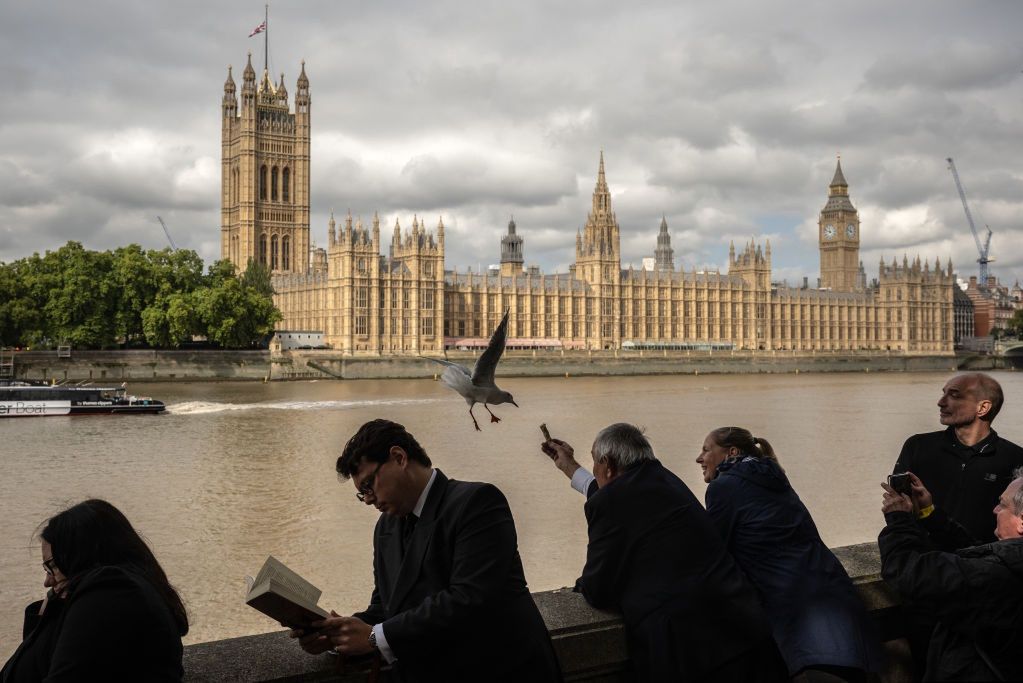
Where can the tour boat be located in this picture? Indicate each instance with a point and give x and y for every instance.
(27, 399)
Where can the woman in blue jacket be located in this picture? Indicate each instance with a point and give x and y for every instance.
(818, 620)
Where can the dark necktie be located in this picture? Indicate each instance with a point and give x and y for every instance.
(408, 526)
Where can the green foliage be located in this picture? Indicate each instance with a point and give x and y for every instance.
(1016, 323)
(95, 299)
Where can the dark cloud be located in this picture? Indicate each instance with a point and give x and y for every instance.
(723, 116)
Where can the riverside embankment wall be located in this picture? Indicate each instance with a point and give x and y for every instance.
(150, 366)
(590, 643)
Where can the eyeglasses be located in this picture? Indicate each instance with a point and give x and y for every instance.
(49, 567)
(367, 486)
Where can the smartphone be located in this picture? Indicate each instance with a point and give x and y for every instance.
(546, 434)
(901, 483)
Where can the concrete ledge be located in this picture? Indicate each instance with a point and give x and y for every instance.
(590, 643)
(156, 366)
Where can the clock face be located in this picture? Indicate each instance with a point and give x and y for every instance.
(829, 232)
(850, 231)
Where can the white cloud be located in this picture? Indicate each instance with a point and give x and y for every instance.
(723, 116)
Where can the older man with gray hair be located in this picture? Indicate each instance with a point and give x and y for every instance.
(655, 556)
(974, 593)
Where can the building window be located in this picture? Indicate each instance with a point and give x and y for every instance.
(286, 184)
(362, 297)
(361, 326)
(427, 302)
(286, 253)
(262, 250)
(427, 326)
(273, 184)
(273, 253)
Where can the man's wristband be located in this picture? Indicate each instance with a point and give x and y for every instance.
(373, 639)
(926, 512)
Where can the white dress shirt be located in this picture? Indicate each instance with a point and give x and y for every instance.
(581, 480)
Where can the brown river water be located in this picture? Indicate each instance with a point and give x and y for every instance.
(237, 471)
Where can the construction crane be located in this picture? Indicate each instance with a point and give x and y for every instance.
(174, 247)
(982, 248)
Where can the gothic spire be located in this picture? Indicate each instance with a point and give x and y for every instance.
(839, 179)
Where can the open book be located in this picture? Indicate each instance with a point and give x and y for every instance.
(285, 596)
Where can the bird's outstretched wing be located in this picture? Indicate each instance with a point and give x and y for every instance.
(483, 372)
(449, 364)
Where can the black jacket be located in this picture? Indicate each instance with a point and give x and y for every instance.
(113, 627)
(814, 610)
(454, 605)
(965, 481)
(654, 555)
(976, 594)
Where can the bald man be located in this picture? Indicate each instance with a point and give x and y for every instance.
(967, 465)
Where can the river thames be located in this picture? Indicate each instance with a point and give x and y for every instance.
(237, 471)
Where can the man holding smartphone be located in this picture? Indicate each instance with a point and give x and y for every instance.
(967, 465)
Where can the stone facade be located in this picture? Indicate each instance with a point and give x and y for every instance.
(265, 174)
(404, 302)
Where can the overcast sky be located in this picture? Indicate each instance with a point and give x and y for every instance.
(725, 117)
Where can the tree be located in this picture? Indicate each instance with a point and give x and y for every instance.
(257, 278)
(135, 287)
(1016, 323)
(80, 310)
(233, 315)
(171, 319)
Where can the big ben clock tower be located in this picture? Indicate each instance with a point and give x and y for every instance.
(839, 238)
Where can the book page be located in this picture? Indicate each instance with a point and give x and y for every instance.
(277, 572)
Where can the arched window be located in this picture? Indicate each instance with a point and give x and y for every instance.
(286, 185)
(274, 261)
(273, 185)
(262, 182)
(262, 250)
(286, 253)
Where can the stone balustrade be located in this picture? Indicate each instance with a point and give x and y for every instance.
(590, 643)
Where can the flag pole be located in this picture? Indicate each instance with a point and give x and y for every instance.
(266, 37)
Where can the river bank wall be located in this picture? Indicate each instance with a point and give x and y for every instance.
(590, 644)
(157, 366)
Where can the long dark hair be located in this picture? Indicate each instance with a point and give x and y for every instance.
(743, 439)
(93, 534)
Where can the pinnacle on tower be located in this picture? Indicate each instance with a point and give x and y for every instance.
(249, 75)
(839, 179)
(229, 83)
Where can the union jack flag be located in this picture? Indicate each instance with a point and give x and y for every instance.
(258, 29)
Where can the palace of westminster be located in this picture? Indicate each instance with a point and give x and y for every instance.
(404, 301)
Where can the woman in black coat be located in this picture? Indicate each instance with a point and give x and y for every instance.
(818, 620)
(110, 614)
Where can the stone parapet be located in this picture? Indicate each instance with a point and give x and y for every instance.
(590, 643)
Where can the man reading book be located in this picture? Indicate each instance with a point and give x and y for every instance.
(450, 600)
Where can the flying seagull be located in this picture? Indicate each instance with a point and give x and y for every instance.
(478, 386)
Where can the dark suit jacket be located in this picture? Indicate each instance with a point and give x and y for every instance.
(455, 605)
(655, 555)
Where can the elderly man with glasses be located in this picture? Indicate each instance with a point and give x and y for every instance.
(655, 555)
(450, 600)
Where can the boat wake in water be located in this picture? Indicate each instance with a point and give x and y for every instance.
(205, 407)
